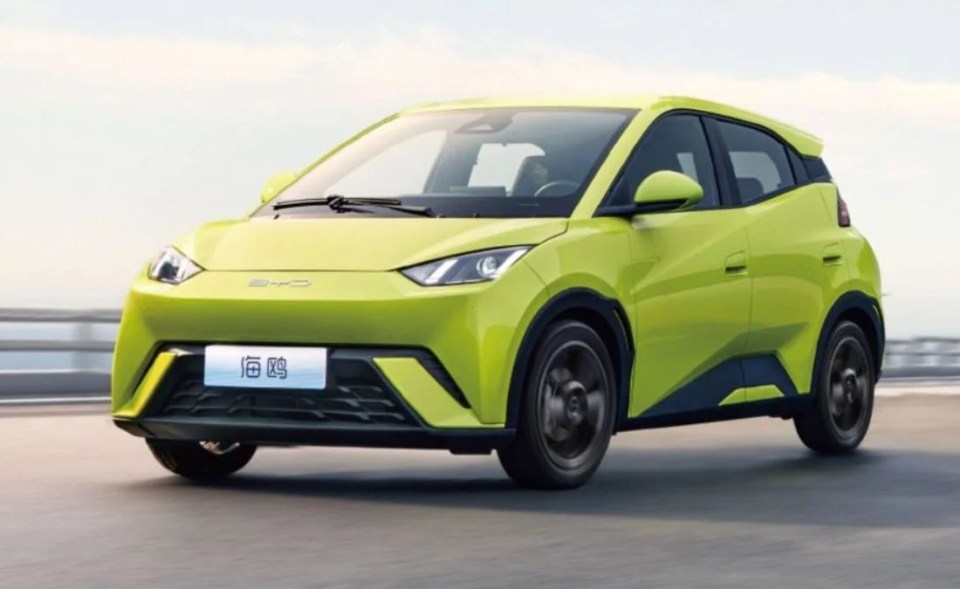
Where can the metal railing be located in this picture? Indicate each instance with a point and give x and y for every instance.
(931, 357)
(926, 357)
(78, 376)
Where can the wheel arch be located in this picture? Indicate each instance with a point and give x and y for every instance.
(862, 310)
(604, 315)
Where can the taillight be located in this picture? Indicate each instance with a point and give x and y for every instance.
(843, 213)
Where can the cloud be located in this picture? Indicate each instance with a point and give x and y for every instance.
(395, 70)
(434, 65)
(154, 62)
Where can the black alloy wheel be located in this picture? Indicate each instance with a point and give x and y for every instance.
(202, 461)
(567, 411)
(843, 407)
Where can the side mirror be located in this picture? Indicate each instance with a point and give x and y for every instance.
(276, 184)
(667, 191)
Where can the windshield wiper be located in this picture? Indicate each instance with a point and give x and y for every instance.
(340, 203)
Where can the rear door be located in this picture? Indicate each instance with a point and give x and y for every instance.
(688, 280)
(795, 259)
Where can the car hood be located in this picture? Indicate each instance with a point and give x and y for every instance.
(350, 244)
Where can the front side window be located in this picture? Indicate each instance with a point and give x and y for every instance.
(760, 162)
(677, 143)
(493, 162)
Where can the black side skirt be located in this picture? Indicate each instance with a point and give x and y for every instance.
(785, 408)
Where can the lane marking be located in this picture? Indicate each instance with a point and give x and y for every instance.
(900, 387)
(54, 401)
(918, 391)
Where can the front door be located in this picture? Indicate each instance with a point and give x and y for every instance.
(690, 280)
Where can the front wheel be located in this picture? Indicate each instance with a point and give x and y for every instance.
(566, 413)
(844, 387)
(204, 461)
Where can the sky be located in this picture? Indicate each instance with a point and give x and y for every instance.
(125, 125)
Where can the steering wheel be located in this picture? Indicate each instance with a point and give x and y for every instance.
(552, 186)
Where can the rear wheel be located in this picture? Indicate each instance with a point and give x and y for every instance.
(566, 413)
(201, 460)
(844, 387)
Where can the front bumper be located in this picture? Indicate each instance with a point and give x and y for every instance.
(361, 405)
(443, 355)
(458, 441)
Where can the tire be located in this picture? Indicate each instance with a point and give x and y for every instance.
(566, 412)
(844, 389)
(193, 461)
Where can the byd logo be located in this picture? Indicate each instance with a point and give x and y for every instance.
(293, 283)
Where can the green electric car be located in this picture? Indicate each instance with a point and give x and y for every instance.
(522, 276)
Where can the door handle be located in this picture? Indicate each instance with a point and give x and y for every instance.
(832, 255)
(736, 264)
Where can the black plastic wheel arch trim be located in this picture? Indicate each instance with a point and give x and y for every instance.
(570, 300)
(854, 301)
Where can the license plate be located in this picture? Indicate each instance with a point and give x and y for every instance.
(265, 367)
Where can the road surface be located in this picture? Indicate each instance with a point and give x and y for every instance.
(738, 504)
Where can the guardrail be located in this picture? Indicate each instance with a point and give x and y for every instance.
(931, 357)
(926, 357)
(80, 375)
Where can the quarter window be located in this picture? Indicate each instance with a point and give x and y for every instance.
(760, 162)
(676, 143)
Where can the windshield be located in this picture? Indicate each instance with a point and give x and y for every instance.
(486, 163)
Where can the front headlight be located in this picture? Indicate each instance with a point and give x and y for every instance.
(173, 267)
(474, 267)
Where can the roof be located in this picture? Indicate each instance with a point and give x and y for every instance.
(805, 143)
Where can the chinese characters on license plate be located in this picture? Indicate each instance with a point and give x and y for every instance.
(265, 367)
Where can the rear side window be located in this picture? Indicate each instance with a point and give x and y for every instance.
(676, 143)
(817, 169)
(760, 162)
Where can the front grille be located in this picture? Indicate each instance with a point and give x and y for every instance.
(356, 395)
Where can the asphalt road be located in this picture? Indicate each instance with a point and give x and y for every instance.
(739, 504)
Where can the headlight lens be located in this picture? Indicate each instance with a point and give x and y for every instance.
(173, 267)
(475, 267)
